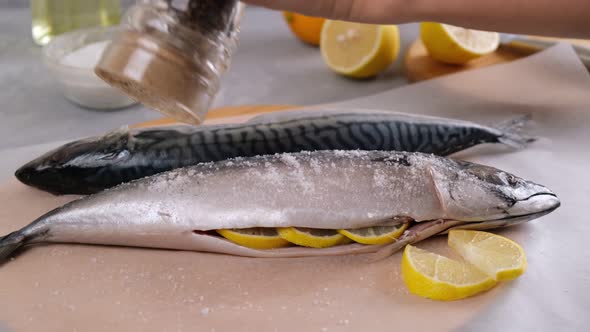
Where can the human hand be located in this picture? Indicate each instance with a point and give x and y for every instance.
(365, 11)
(536, 17)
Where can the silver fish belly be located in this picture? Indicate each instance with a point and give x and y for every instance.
(322, 189)
(91, 165)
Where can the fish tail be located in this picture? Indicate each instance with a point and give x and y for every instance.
(510, 132)
(10, 243)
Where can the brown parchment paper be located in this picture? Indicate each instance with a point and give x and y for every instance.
(94, 288)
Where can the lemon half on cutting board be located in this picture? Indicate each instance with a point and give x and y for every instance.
(457, 45)
(359, 50)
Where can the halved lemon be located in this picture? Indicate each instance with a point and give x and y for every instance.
(375, 234)
(255, 238)
(456, 45)
(359, 50)
(437, 277)
(312, 237)
(495, 255)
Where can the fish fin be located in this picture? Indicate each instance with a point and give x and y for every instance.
(10, 243)
(439, 194)
(390, 249)
(510, 132)
(416, 233)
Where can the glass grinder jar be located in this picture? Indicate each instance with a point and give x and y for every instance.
(170, 54)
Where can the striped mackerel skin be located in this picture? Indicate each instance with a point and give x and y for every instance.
(371, 131)
(91, 165)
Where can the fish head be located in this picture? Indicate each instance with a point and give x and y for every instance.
(65, 165)
(489, 196)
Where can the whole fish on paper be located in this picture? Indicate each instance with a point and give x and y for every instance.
(182, 209)
(90, 165)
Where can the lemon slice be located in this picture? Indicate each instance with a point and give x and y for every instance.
(439, 278)
(359, 50)
(497, 256)
(375, 234)
(456, 45)
(255, 238)
(312, 237)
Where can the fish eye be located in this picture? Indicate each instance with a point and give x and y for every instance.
(512, 180)
(507, 179)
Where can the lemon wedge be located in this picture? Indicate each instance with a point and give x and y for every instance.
(375, 234)
(495, 255)
(437, 277)
(359, 50)
(311, 237)
(255, 238)
(456, 45)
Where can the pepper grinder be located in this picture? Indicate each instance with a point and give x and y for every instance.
(170, 54)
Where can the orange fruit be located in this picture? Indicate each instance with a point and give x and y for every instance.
(306, 28)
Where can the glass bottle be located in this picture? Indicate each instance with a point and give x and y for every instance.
(170, 54)
(53, 17)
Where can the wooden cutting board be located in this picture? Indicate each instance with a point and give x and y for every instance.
(418, 66)
(100, 288)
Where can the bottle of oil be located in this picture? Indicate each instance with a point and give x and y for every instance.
(53, 17)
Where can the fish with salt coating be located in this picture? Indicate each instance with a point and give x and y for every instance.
(182, 209)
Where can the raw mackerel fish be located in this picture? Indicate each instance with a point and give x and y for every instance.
(182, 208)
(90, 165)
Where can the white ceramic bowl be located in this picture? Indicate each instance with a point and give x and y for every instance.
(80, 85)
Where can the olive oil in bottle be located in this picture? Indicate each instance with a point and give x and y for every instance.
(53, 17)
